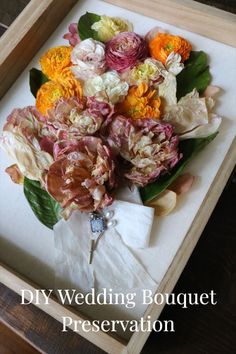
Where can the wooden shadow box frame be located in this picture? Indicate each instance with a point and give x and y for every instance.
(24, 38)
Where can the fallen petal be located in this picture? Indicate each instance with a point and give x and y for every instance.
(211, 91)
(164, 203)
(182, 184)
(15, 174)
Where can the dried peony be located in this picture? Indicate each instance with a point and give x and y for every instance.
(70, 120)
(191, 117)
(108, 27)
(84, 177)
(124, 50)
(21, 140)
(141, 102)
(164, 44)
(149, 146)
(72, 36)
(88, 58)
(108, 87)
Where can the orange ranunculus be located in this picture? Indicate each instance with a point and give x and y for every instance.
(55, 60)
(49, 93)
(163, 44)
(141, 102)
(72, 86)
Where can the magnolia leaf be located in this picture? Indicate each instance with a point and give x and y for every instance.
(45, 208)
(194, 75)
(84, 26)
(36, 80)
(189, 149)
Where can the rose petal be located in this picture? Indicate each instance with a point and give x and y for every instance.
(182, 184)
(203, 131)
(15, 174)
(211, 91)
(164, 203)
(153, 33)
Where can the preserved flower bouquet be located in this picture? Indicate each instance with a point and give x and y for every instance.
(112, 109)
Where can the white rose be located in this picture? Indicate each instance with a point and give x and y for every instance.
(108, 87)
(88, 58)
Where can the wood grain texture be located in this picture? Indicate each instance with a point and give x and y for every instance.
(10, 9)
(16, 282)
(26, 35)
(189, 15)
(206, 329)
(36, 327)
(10, 343)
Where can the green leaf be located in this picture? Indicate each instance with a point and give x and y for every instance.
(36, 80)
(195, 74)
(46, 209)
(189, 149)
(84, 26)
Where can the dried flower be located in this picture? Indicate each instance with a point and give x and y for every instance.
(65, 86)
(88, 58)
(191, 117)
(124, 50)
(108, 27)
(141, 102)
(108, 87)
(149, 146)
(72, 36)
(150, 71)
(164, 44)
(21, 140)
(55, 60)
(70, 120)
(83, 177)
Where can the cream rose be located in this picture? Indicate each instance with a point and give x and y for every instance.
(108, 27)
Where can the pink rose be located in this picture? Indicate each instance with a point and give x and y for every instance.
(124, 50)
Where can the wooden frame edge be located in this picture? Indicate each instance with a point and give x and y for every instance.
(181, 258)
(26, 36)
(213, 23)
(17, 282)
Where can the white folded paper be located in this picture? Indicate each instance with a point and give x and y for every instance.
(113, 265)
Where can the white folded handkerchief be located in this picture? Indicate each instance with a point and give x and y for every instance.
(113, 265)
(133, 223)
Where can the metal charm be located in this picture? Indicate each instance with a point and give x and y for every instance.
(98, 227)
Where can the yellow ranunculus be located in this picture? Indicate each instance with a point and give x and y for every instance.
(65, 86)
(55, 60)
(108, 27)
